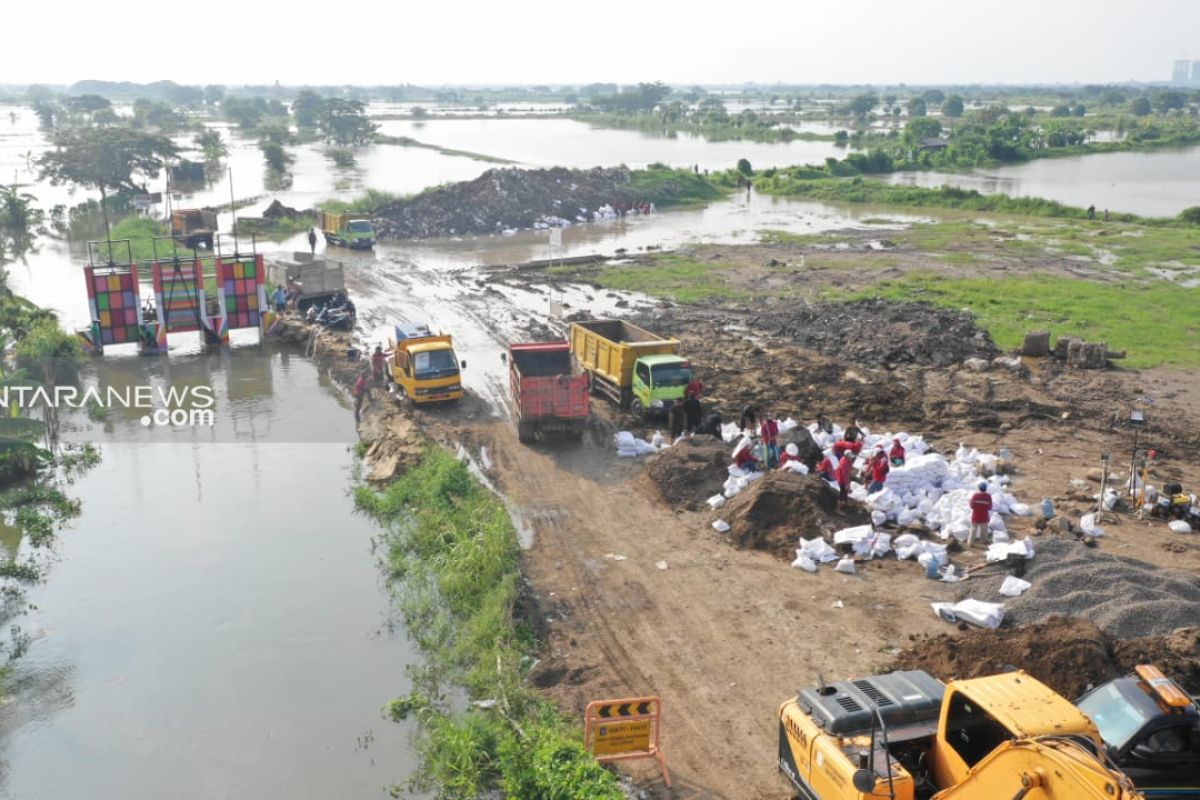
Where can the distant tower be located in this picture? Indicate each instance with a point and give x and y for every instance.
(1182, 72)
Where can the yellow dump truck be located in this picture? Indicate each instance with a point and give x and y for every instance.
(631, 366)
(348, 230)
(424, 366)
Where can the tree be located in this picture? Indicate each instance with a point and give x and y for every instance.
(18, 215)
(953, 106)
(919, 128)
(934, 97)
(1169, 101)
(345, 121)
(743, 166)
(916, 107)
(1078, 110)
(1140, 107)
(1191, 215)
(1060, 111)
(862, 104)
(210, 143)
(306, 108)
(272, 139)
(105, 158)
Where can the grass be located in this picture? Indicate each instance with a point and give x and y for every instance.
(367, 203)
(140, 232)
(1154, 321)
(283, 226)
(453, 554)
(677, 277)
(665, 186)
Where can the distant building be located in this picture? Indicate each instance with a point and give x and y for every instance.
(934, 143)
(1196, 73)
(1182, 72)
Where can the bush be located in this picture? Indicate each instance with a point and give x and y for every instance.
(1191, 215)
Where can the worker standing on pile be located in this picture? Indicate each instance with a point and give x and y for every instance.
(981, 514)
(360, 394)
(676, 419)
(845, 468)
(692, 410)
(694, 388)
(378, 363)
(846, 446)
(879, 469)
(749, 420)
(897, 453)
(769, 432)
(823, 424)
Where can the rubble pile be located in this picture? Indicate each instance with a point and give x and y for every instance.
(511, 199)
(778, 509)
(689, 471)
(882, 332)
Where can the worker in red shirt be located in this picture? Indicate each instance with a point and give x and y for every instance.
(981, 514)
(378, 363)
(879, 469)
(744, 459)
(843, 446)
(827, 469)
(695, 388)
(790, 453)
(360, 392)
(844, 469)
(769, 431)
(897, 453)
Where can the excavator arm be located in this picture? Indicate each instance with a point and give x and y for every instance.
(1045, 768)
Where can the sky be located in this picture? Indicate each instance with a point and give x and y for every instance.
(536, 42)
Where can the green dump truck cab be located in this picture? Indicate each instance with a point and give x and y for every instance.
(348, 230)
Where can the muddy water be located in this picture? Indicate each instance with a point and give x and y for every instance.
(1155, 184)
(216, 623)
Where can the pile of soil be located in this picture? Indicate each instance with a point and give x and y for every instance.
(773, 512)
(690, 472)
(1125, 597)
(882, 332)
(1069, 655)
(278, 210)
(510, 198)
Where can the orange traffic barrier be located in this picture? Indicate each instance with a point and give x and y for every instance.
(620, 730)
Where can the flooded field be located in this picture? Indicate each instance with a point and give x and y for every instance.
(186, 642)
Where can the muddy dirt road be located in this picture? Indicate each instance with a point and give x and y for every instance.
(725, 635)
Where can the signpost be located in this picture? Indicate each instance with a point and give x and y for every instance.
(620, 730)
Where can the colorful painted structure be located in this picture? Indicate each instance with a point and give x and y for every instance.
(181, 302)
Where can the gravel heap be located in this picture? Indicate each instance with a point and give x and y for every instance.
(1125, 597)
(883, 332)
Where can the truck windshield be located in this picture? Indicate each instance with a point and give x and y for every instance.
(435, 364)
(361, 226)
(671, 374)
(1117, 715)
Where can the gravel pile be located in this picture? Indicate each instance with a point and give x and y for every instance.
(882, 332)
(1126, 598)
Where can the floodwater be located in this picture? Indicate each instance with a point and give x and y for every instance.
(216, 624)
(1156, 184)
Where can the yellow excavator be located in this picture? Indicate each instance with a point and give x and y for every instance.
(907, 736)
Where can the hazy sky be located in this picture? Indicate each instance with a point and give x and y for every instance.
(528, 41)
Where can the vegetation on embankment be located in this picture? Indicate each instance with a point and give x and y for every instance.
(407, 141)
(1154, 322)
(715, 128)
(453, 553)
(367, 203)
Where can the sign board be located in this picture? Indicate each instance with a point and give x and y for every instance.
(616, 730)
(556, 237)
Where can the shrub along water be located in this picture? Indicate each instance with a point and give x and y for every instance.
(454, 557)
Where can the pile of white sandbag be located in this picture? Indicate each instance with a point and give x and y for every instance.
(629, 446)
(737, 481)
(976, 612)
(813, 552)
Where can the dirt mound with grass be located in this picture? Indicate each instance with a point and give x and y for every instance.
(1069, 655)
(773, 512)
(688, 473)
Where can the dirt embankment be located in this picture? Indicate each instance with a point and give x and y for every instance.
(504, 199)
(1068, 654)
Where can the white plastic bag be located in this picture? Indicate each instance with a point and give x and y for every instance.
(1013, 586)
(977, 612)
(716, 501)
(721, 526)
(1087, 523)
(1179, 526)
(804, 562)
(846, 565)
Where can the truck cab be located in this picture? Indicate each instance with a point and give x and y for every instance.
(658, 383)
(194, 227)
(1151, 729)
(424, 366)
(347, 230)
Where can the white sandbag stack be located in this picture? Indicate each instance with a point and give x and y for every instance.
(629, 446)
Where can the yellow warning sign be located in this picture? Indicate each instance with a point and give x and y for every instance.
(622, 737)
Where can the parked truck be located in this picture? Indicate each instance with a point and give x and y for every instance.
(194, 227)
(550, 393)
(424, 366)
(631, 366)
(347, 230)
(317, 281)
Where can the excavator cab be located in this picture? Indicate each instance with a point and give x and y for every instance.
(1151, 729)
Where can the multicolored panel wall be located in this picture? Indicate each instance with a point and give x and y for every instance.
(115, 304)
(179, 296)
(242, 295)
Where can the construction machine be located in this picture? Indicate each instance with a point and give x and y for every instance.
(907, 736)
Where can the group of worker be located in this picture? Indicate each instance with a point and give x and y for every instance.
(377, 372)
(688, 414)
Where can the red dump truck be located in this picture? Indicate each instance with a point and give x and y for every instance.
(550, 393)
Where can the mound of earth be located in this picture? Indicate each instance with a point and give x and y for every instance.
(690, 472)
(883, 332)
(511, 198)
(1125, 597)
(773, 512)
(1068, 655)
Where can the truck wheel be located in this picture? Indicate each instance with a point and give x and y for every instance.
(637, 409)
(525, 433)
